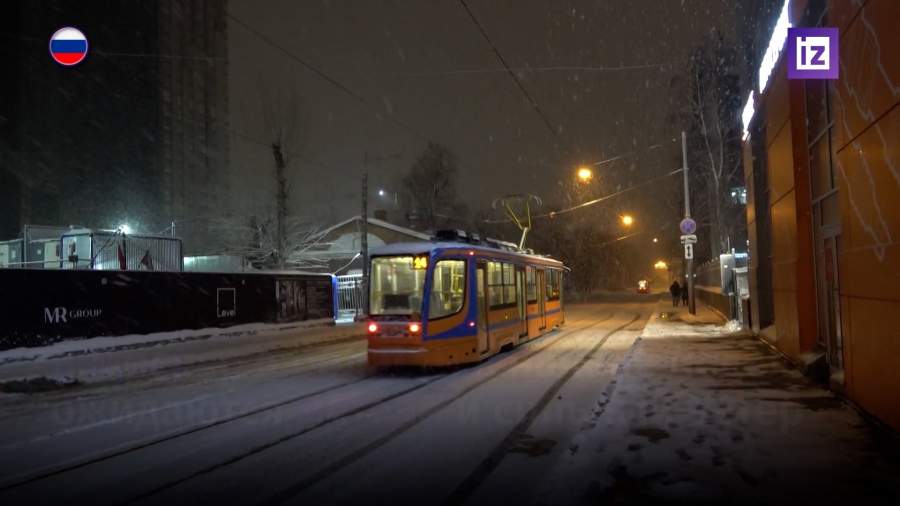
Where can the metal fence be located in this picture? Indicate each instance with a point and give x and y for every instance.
(350, 297)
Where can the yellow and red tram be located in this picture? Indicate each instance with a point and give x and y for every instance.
(444, 303)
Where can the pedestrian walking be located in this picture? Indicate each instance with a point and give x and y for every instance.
(675, 290)
(684, 295)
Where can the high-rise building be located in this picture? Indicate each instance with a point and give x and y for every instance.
(135, 134)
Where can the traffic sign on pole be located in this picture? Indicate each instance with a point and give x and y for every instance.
(688, 226)
(688, 251)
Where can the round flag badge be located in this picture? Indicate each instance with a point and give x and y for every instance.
(68, 46)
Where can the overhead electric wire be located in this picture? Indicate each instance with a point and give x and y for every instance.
(555, 68)
(506, 66)
(553, 214)
(626, 155)
(329, 79)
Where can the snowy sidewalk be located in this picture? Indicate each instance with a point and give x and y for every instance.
(703, 413)
(115, 358)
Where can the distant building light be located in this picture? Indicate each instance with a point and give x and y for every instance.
(776, 43)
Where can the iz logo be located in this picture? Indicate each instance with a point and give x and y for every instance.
(813, 53)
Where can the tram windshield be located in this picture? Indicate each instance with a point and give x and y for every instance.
(397, 284)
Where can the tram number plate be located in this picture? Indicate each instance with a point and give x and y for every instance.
(392, 331)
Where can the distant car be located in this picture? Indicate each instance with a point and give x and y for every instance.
(643, 286)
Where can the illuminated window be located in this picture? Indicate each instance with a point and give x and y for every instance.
(501, 285)
(448, 288)
(531, 285)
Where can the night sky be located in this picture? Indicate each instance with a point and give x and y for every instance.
(426, 65)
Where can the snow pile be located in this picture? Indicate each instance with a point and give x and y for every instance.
(663, 325)
(106, 344)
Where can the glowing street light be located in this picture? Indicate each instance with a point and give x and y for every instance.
(627, 220)
(655, 239)
(124, 229)
(660, 265)
(585, 175)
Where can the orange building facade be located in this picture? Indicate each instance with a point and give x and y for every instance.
(822, 169)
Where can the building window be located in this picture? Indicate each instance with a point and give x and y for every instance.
(448, 288)
(739, 195)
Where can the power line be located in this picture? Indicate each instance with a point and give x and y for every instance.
(626, 155)
(556, 68)
(553, 214)
(509, 71)
(327, 78)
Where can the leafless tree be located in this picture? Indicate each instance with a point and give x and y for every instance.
(430, 189)
(711, 117)
(282, 117)
(259, 243)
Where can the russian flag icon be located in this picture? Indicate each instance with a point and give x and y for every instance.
(68, 46)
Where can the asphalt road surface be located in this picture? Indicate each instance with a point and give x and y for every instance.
(321, 427)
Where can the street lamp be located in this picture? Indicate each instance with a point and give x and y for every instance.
(655, 239)
(585, 175)
(627, 220)
(660, 265)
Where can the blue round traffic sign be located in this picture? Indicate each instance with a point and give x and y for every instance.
(688, 226)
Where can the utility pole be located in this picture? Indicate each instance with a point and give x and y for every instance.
(364, 235)
(692, 308)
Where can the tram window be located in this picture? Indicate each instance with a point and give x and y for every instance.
(495, 283)
(501, 285)
(531, 284)
(396, 287)
(448, 288)
(553, 282)
(509, 284)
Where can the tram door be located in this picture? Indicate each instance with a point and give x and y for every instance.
(520, 299)
(481, 275)
(542, 297)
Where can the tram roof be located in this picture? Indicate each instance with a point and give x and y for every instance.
(413, 248)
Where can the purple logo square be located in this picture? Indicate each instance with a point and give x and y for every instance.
(813, 53)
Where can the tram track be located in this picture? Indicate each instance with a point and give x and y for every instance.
(357, 410)
(474, 480)
(531, 349)
(294, 490)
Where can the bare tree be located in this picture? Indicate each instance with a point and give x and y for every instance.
(259, 242)
(711, 116)
(281, 119)
(430, 189)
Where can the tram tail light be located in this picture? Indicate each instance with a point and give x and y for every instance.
(373, 328)
(414, 328)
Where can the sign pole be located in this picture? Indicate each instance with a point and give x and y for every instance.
(692, 308)
(364, 235)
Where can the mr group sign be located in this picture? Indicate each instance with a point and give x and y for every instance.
(68, 46)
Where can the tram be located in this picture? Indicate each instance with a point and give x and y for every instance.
(458, 301)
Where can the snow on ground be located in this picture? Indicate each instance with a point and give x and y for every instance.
(104, 344)
(115, 358)
(668, 322)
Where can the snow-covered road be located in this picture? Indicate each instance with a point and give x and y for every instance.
(628, 403)
(316, 427)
